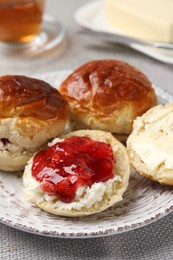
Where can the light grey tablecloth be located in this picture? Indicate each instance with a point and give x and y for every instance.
(154, 241)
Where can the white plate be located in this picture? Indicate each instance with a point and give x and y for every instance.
(92, 16)
(144, 201)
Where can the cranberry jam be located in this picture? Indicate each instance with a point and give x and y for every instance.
(71, 163)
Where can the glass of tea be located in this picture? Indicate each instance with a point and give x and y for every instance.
(24, 28)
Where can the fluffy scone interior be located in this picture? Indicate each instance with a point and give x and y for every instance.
(89, 200)
(107, 95)
(150, 146)
(31, 112)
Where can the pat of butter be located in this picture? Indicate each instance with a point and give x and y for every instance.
(149, 20)
(155, 150)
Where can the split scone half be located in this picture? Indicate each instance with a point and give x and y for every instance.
(150, 146)
(31, 113)
(84, 172)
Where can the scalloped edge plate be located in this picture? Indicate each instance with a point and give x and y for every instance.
(144, 201)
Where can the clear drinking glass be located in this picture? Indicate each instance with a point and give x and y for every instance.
(25, 29)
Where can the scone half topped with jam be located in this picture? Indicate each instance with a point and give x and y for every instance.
(150, 146)
(82, 173)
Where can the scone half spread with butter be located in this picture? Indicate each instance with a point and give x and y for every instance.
(82, 173)
(31, 112)
(150, 146)
(107, 95)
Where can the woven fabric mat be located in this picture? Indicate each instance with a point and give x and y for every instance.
(151, 242)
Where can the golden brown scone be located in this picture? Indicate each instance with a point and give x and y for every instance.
(88, 200)
(107, 95)
(31, 112)
(150, 146)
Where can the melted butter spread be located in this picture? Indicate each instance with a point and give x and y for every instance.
(154, 144)
(155, 151)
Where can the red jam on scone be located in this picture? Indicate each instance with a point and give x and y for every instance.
(71, 163)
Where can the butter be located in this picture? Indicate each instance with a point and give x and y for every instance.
(155, 150)
(153, 142)
(149, 20)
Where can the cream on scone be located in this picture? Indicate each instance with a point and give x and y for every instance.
(107, 95)
(150, 146)
(84, 172)
(31, 113)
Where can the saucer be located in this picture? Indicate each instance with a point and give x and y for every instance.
(51, 35)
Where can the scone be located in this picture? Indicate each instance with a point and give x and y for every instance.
(107, 95)
(150, 146)
(31, 113)
(82, 173)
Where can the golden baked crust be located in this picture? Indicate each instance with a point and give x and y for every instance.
(31, 112)
(107, 95)
(28, 97)
(113, 195)
(150, 144)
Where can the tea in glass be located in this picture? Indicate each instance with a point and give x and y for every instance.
(20, 20)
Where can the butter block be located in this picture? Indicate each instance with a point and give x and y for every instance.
(149, 20)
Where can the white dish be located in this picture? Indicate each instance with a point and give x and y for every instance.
(92, 16)
(144, 201)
